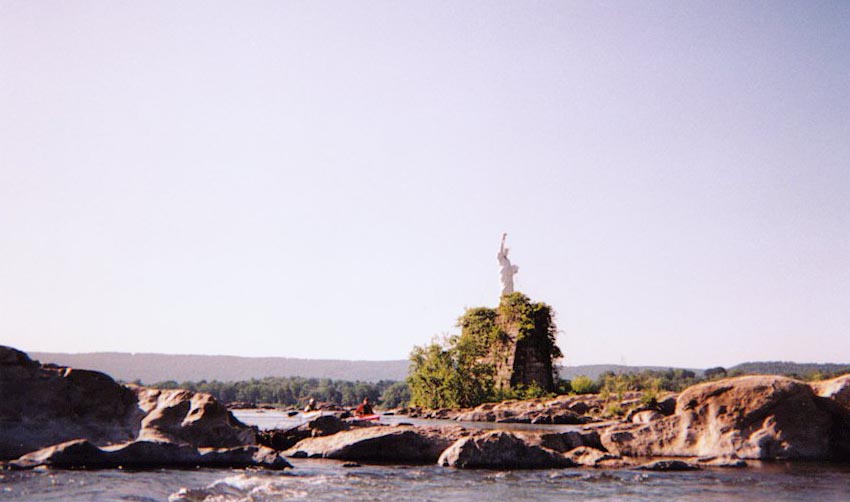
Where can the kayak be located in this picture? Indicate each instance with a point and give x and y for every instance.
(368, 417)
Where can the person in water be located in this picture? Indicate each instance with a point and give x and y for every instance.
(364, 409)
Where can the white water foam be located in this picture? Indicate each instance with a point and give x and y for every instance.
(242, 488)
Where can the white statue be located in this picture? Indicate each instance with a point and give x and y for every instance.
(506, 270)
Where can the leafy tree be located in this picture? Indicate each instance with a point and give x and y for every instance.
(584, 385)
(460, 371)
(396, 395)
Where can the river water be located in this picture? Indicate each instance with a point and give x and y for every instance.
(326, 480)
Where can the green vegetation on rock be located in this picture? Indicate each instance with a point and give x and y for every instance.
(462, 370)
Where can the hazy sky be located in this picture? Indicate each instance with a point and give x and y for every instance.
(330, 180)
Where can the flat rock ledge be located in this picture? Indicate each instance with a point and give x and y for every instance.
(82, 454)
(399, 444)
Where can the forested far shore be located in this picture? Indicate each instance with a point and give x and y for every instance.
(295, 391)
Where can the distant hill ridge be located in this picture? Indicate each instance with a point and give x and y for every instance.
(153, 368)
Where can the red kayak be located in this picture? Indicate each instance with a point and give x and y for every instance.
(368, 417)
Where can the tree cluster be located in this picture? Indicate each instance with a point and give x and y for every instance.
(647, 380)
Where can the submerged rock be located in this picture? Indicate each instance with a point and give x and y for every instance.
(81, 453)
(668, 465)
(501, 450)
(726, 462)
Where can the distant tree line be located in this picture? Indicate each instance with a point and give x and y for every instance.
(440, 366)
(800, 371)
(295, 391)
(676, 380)
(647, 380)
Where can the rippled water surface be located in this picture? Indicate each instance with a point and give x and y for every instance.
(325, 480)
(317, 480)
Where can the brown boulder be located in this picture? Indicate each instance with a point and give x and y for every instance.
(324, 425)
(569, 440)
(759, 417)
(405, 444)
(501, 450)
(185, 417)
(644, 416)
(589, 457)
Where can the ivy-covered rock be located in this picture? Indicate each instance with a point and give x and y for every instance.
(502, 352)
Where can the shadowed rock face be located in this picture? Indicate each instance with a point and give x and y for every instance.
(320, 426)
(43, 405)
(835, 395)
(758, 417)
(147, 454)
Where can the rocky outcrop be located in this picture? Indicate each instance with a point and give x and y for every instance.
(757, 417)
(81, 453)
(44, 405)
(834, 395)
(836, 390)
(501, 450)
(536, 411)
(403, 444)
(185, 417)
(566, 441)
(586, 456)
(318, 427)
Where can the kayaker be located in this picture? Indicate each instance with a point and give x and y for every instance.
(364, 409)
(311, 405)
